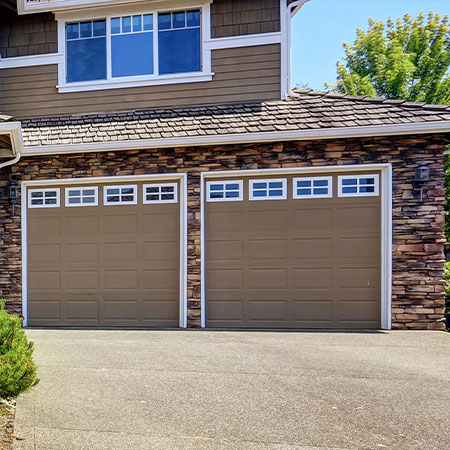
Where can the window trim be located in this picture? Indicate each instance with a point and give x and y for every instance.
(107, 13)
(239, 198)
(268, 180)
(120, 202)
(44, 190)
(312, 179)
(159, 185)
(376, 192)
(81, 189)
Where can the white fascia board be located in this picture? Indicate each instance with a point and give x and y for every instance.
(241, 138)
(33, 60)
(14, 130)
(247, 40)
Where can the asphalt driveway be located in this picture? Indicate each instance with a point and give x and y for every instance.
(139, 390)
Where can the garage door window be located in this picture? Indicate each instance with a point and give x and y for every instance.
(275, 189)
(43, 198)
(160, 193)
(358, 185)
(316, 187)
(224, 191)
(85, 196)
(120, 195)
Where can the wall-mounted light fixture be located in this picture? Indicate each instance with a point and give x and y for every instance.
(421, 176)
(12, 193)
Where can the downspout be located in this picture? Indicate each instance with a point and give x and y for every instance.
(291, 10)
(11, 161)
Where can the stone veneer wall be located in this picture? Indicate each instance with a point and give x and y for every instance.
(418, 286)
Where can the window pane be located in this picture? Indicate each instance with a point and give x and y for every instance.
(351, 182)
(85, 29)
(137, 23)
(216, 194)
(164, 21)
(277, 184)
(50, 201)
(126, 24)
(276, 193)
(259, 185)
(320, 183)
(349, 190)
(89, 192)
(37, 201)
(127, 198)
(74, 193)
(367, 189)
(232, 194)
(86, 59)
(259, 193)
(75, 200)
(366, 181)
(132, 54)
(216, 187)
(115, 25)
(51, 194)
(320, 191)
(179, 19)
(179, 51)
(72, 31)
(127, 191)
(303, 191)
(112, 199)
(167, 197)
(193, 18)
(99, 28)
(232, 187)
(304, 183)
(153, 197)
(153, 189)
(112, 191)
(37, 194)
(89, 200)
(148, 22)
(167, 189)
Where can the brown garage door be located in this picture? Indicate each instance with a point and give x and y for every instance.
(284, 262)
(104, 255)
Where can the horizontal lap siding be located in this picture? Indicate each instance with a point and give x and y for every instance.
(237, 18)
(241, 74)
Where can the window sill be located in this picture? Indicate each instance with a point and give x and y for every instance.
(193, 77)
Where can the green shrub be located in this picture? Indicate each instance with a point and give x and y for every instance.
(17, 368)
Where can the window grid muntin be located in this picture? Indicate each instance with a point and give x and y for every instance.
(84, 196)
(156, 75)
(356, 185)
(120, 194)
(132, 30)
(223, 188)
(46, 196)
(314, 187)
(260, 189)
(160, 191)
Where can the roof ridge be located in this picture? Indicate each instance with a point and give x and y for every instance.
(366, 98)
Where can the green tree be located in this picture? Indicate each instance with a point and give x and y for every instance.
(403, 59)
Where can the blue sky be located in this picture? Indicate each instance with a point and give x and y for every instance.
(321, 26)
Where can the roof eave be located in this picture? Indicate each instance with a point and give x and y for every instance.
(14, 131)
(439, 127)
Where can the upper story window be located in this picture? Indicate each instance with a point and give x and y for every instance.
(146, 45)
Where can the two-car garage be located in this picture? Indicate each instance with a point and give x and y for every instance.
(280, 250)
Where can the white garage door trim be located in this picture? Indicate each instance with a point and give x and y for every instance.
(386, 222)
(182, 178)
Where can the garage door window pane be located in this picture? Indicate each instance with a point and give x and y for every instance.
(313, 187)
(43, 198)
(358, 185)
(120, 195)
(160, 193)
(86, 196)
(224, 191)
(268, 189)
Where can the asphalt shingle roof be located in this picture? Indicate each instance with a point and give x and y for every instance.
(310, 110)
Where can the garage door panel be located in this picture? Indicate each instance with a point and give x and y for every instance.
(81, 280)
(160, 310)
(308, 278)
(44, 228)
(82, 310)
(81, 225)
(266, 249)
(120, 279)
(290, 263)
(159, 279)
(82, 252)
(266, 310)
(44, 280)
(161, 251)
(312, 248)
(312, 310)
(120, 309)
(45, 253)
(45, 309)
(160, 224)
(120, 251)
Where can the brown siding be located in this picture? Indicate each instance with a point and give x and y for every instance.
(241, 74)
(235, 18)
(34, 34)
(418, 226)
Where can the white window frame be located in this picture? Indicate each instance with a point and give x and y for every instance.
(44, 190)
(120, 202)
(107, 13)
(376, 192)
(268, 180)
(312, 195)
(81, 189)
(159, 193)
(240, 197)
